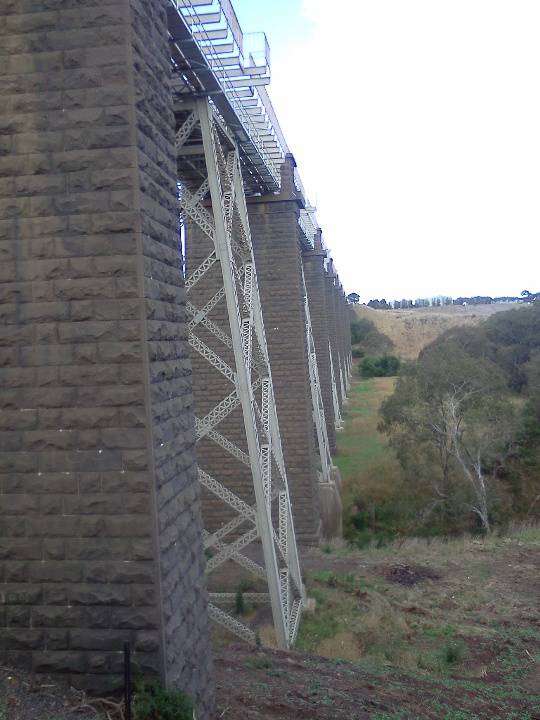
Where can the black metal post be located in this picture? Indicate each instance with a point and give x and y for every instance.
(127, 680)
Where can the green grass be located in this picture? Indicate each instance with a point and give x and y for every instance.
(360, 444)
(527, 533)
(383, 627)
(444, 631)
(369, 470)
(450, 632)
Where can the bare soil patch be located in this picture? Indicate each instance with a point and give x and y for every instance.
(410, 575)
(414, 631)
(445, 630)
(25, 696)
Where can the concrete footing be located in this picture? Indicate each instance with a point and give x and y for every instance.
(331, 507)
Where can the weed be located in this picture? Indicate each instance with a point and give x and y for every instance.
(525, 531)
(347, 582)
(151, 700)
(318, 596)
(430, 661)
(317, 695)
(314, 687)
(325, 577)
(315, 628)
(245, 585)
(454, 652)
(240, 604)
(444, 631)
(438, 661)
(258, 664)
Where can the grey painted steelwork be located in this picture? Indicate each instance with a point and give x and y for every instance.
(214, 58)
(229, 145)
(212, 197)
(316, 397)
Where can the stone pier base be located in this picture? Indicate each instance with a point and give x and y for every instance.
(100, 528)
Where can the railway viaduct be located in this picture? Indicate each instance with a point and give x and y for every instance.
(174, 342)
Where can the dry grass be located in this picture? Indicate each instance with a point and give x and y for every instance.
(470, 593)
(412, 330)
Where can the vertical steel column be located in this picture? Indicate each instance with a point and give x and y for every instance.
(316, 395)
(335, 398)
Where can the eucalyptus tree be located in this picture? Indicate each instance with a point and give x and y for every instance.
(451, 422)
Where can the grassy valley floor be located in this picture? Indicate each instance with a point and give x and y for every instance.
(446, 631)
(367, 467)
(360, 445)
(420, 628)
(416, 630)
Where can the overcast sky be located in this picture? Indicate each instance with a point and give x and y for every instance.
(416, 128)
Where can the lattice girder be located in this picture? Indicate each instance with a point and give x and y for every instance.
(335, 398)
(226, 330)
(316, 395)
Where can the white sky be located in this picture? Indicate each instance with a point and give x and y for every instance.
(416, 128)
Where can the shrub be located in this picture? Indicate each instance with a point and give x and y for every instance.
(383, 366)
(367, 340)
(360, 329)
(153, 702)
(454, 652)
(239, 603)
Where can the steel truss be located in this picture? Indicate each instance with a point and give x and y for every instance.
(342, 382)
(338, 421)
(212, 197)
(348, 376)
(316, 396)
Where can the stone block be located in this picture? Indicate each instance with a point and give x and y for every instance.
(87, 205)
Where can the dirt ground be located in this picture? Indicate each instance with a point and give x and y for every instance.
(411, 330)
(25, 696)
(416, 630)
(446, 631)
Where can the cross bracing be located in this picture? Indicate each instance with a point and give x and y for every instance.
(316, 396)
(226, 332)
(335, 398)
(229, 145)
(213, 57)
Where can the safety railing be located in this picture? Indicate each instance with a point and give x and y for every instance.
(241, 65)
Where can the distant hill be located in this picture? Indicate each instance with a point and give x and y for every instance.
(411, 330)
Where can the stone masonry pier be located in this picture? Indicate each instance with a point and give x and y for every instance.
(101, 513)
(100, 529)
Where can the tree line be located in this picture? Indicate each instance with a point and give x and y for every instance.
(464, 422)
(443, 300)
